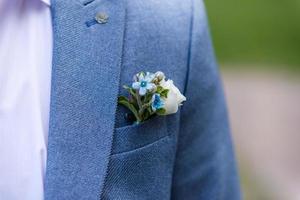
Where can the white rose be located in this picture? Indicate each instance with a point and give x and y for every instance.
(174, 99)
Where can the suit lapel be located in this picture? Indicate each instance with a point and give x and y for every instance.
(85, 82)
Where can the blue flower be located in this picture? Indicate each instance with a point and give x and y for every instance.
(143, 83)
(157, 102)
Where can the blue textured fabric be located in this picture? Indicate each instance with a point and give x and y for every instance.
(93, 152)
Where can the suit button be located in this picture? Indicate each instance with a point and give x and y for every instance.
(101, 18)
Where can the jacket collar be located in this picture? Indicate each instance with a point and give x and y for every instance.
(85, 82)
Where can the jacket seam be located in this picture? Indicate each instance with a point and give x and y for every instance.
(119, 80)
(191, 28)
(185, 86)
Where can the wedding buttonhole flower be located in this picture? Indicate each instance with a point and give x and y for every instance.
(151, 94)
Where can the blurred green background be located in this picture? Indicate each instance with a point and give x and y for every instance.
(257, 43)
(256, 32)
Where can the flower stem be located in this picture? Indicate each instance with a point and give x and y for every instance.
(139, 102)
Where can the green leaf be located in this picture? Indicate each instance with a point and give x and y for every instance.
(125, 102)
(143, 73)
(159, 89)
(164, 93)
(161, 111)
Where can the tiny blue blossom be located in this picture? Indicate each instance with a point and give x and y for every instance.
(143, 83)
(157, 102)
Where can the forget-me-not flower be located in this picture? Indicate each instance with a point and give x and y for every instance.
(143, 83)
(157, 102)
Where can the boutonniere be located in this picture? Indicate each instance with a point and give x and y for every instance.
(151, 94)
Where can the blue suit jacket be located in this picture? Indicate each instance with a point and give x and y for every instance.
(93, 153)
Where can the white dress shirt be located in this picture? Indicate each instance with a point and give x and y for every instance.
(25, 79)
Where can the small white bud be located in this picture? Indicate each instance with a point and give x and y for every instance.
(160, 75)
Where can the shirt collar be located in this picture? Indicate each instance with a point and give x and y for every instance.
(47, 2)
